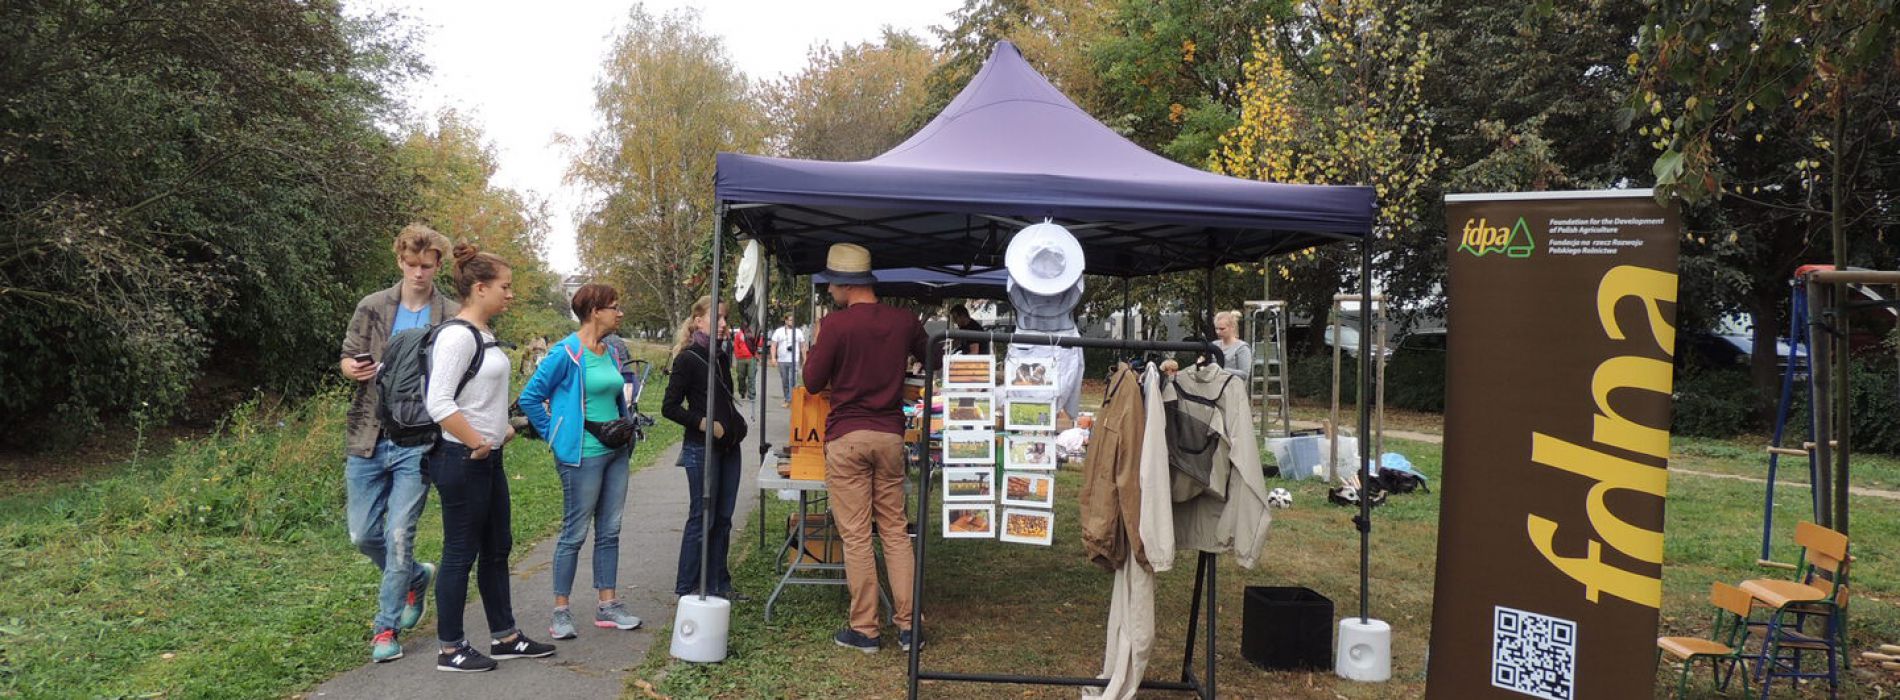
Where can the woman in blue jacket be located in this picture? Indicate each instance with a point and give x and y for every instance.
(579, 381)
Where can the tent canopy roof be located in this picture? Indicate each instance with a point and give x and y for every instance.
(1012, 150)
(924, 283)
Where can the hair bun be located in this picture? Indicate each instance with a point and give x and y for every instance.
(465, 252)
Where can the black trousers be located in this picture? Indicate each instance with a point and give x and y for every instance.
(477, 533)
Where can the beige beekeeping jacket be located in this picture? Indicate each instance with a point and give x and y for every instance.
(1230, 513)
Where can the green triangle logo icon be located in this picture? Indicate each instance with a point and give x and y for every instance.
(1521, 242)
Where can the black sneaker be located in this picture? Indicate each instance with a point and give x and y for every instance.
(464, 659)
(853, 639)
(904, 639)
(521, 648)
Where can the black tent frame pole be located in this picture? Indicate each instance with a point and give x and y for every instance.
(1204, 588)
(1364, 520)
(711, 474)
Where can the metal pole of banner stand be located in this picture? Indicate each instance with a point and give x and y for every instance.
(1204, 576)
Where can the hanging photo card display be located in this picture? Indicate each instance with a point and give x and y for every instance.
(1029, 526)
(969, 409)
(1031, 490)
(969, 484)
(1030, 374)
(969, 521)
(1029, 452)
(969, 372)
(969, 446)
(1030, 412)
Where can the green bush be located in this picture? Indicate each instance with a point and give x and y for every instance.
(1714, 403)
(1415, 381)
(1311, 377)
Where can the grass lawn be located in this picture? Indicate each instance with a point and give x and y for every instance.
(1003, 608)
(219, 569)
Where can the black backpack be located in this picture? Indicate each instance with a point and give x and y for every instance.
(404, 383)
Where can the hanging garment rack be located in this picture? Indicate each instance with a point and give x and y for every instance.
(1204, 570)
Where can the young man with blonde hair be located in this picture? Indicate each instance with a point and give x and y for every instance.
(386, 490)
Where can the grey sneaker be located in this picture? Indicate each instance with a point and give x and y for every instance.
(563, 625)
(614, 615)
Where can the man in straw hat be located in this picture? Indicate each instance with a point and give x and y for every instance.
(860, 356)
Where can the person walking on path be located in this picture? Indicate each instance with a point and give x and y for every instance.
(861, 354)
(745, 360)
(577, 388)
(383, 481)
(467, 466)
(788, 344)
(685, 404)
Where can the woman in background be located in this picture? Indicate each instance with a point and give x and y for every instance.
(1236, 355)
(685, 404)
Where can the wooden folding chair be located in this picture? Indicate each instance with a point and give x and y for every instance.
(1726, 644)
(1816, 594)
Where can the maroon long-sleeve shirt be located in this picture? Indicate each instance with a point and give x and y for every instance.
(861, 354)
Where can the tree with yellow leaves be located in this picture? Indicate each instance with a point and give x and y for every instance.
(669, 99)
(1347, 110)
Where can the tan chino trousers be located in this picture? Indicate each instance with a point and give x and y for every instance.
(864, 470)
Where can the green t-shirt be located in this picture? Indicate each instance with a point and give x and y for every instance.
(602, 381)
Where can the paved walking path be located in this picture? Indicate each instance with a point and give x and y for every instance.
(596, 664)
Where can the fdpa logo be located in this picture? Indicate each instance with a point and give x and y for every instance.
(1481, 239)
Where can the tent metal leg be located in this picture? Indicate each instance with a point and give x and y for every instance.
(712, 385)
(1364, 521)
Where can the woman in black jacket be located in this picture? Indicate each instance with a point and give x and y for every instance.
(685, 404)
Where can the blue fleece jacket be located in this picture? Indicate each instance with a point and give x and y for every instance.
(552, 399)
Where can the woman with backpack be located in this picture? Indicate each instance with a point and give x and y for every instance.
(685, 404)
(575, 399)
(466, 465)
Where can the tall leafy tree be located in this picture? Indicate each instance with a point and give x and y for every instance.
(1353, 114)
(668, 100)
(852, 102)
(1777, 121)
(453, 167)
(185, 185)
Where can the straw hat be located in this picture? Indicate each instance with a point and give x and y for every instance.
(848, 263)
(1044, 259)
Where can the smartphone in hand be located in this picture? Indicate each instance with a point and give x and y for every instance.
(361, 357)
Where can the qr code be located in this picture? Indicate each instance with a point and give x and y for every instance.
(1533, 654)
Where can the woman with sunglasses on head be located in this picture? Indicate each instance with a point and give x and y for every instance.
(466, 464)
(575, 399)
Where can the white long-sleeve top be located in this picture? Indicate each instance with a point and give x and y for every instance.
(484, 402)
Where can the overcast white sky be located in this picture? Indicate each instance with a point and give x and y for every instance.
(525, 71)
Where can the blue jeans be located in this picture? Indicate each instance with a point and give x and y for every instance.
(594, 490)
(788, 377)
(725, 475)
(386, 492)
(476, 534)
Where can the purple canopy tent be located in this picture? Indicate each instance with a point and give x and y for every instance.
(1009, 151)
(1012, 150)
(921, 283)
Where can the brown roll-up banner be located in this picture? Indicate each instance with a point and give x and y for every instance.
(1558, 379)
